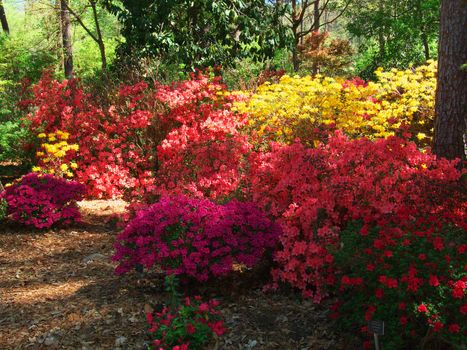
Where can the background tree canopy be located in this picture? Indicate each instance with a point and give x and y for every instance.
(200, 33)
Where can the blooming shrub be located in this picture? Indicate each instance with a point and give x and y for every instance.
(314, 193)
(203, 153)
(56, 155)
(415, 280)
(43, 200)
(195, 237)
(182, 325)
(408, 96)
(114, 155)
(182, 138)
(299, 106)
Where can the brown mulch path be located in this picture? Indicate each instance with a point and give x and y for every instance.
(58, 291)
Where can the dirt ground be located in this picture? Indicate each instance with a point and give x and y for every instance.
(58, 291)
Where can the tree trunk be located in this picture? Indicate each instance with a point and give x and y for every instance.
(66, 39)
(295, 57)
(100, 40)
(426, 46)
(451, 93)
(3, 19)
(316, 16)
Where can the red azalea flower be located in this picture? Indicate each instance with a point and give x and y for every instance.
(454, 328)
(422, 308)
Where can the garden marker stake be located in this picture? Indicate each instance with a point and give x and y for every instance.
(377, 328)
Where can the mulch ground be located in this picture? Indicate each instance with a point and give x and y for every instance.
(58, 290)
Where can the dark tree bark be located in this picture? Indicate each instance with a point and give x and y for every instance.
(316, 16)
(66, 39)
(451, 93)
(3, 19)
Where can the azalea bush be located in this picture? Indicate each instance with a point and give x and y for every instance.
(42, 201)
(315, 193)
(113, 153)
(56, 155)
(187, 324)
(195, 237)
(204, 152)
(414, 279)
(178, 138)
(302, 106)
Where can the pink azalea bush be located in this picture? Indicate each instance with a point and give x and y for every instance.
(195, 237)
(315, 193)
(43, 200)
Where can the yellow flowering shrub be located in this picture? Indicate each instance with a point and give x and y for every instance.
(301, 106)
(409, 97)
(54, 156)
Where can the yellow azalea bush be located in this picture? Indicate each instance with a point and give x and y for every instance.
(55, 154)
(409, 97)
(301, 106)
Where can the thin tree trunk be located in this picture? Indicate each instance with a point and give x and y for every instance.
(3, 19)
(66, 39)
(316, 16)
(423, 36)
(451, 93)
(295, 57)
(426, 46)
(100, 40)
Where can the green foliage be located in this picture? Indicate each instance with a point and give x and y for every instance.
(413, 269)
(3, 209)
(393, 33)
(199, 33)
(12, 138)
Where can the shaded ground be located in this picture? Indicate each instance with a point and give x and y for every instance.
(58, 291)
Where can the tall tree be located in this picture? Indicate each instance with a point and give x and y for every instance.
(200, 33)
(305, 16)
(66, 39)
(451, 93)
(3, 19)
(97, 36)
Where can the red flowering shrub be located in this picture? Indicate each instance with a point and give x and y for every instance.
(182, 138)
(195, 237)
(43, 200)
(415, 282)
(203, 153)
(184, 325)
(314, 193)
(113, 154)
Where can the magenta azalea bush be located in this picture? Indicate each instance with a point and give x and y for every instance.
(195, 237)
(43, 200)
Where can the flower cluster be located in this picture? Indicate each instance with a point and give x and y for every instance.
(56, 155)
(195, 237)
(43, 200)
(203, 153)
(113, 153)
(188, 324)
(314, 193)
(414, 279)
(300, 106)
(181, 138)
